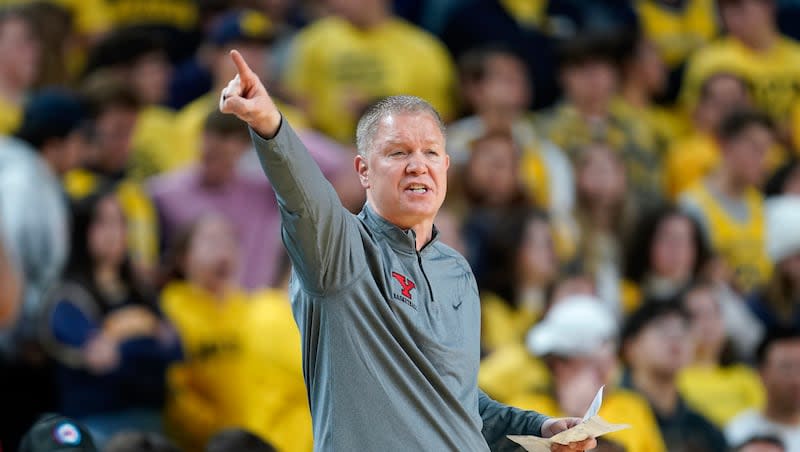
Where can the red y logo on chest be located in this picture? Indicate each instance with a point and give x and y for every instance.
(405, 283)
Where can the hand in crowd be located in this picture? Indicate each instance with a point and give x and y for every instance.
(101, 354)
(130, 322)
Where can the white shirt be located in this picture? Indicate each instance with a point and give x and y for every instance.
(752, 423)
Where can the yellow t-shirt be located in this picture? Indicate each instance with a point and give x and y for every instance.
(502, 324)
(741, 245)
(688, 161)
(510, 371)
(720, 393)
(339, 69)
(243, 367)
(10, 117)
(772, 74)
(179, 14)
(620, 406)
(678, 31)
(188, 129)
(139, 212)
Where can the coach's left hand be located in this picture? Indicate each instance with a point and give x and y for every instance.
(557, 425)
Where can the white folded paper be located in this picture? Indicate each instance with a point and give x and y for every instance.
(591, 427)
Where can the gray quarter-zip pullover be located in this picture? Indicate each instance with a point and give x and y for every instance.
(390, 335)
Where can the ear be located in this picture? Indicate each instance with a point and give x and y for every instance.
(363, 171)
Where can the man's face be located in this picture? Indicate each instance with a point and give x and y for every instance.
(405, 171)
(725, 94)
(746, 154)
(663, 347)
(748, 17)
(505, 85)
(220, 155)
(20, 50)
(590, 83)
(781, 375)
(114, 129)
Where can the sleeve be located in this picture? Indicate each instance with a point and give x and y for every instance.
(500, 420)
(318, 232)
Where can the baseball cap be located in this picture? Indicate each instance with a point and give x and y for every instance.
(51, 113)
(244, 25)
(576, 326)
(55, 433)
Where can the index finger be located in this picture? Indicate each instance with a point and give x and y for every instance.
(241, 65)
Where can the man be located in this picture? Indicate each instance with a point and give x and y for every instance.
(778, 359)
(753, 50)
(390, 318)
(656, 346)
(727, 203)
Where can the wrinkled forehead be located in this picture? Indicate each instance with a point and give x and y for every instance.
(413, 128)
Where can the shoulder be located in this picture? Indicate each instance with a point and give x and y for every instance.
(453, 257)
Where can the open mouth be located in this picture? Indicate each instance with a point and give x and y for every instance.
(417, 188)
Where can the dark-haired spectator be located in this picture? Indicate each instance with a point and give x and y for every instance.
(495, 84)
(785, 180)
(216, 184)
(113, 109)
(20, 55)
(137, 57)
(104, 330)
(761, 443)
(678, 28)
(778, 304)
(242, 363)
(754, 50)
(666, 252)
(237, 440)
(133, 441)
(696, 155)
(715, 384)
(589, 75)
(522, 264)
(342, 63)
(779, 367)
(577, 340)
(727, 203)
(252, 34)
(656, 346)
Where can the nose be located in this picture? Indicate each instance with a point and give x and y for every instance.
(416, 164)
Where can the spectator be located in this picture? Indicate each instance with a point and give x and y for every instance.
(232, 375)
(237, 440)
(603, 214)
(53, 432)
(753, 50)
(495, 84)
(785, 180)
(714, 384)
(20, 53)
(577, 340)
(522, 266)
(643, 78)
(114, 109)
(137, 57)
(762, 444)
(666, 253)
(779, 367)
(727, 204)
(104, 331)
(695, 156)
(139, 442)
(252, 34)
(656, 346)
(778, 304)
(216, 185)
(589, 76)
(678, 28)
(34, 231)
(343, 63)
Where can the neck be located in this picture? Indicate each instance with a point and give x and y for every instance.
(373, 14)
(50, 162)
(499, 118)
(660, 391)
(727, 184)
(635, 95)
(707, 356)
(107, 278)
(424, 233)
(601, 216)
(780, 416)
(592, 110)
(760, 42)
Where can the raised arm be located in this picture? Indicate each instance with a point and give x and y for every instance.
(314, 222)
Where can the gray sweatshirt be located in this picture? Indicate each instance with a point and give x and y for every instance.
(390, 335)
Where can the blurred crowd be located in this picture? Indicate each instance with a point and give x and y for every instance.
(624, 182)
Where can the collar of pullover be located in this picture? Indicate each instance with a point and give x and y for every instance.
(401, 240)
